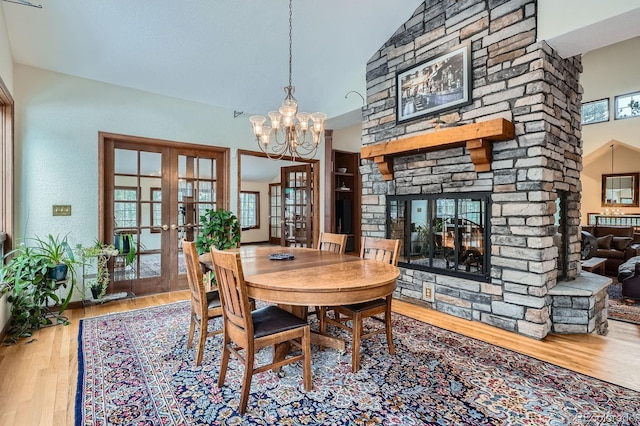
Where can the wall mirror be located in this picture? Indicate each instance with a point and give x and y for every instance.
(620, 190)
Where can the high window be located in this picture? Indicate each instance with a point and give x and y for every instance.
(444, 233)
(249, 210)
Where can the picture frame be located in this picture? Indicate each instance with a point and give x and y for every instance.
(440, 83)
(595, 111)
(627, 106)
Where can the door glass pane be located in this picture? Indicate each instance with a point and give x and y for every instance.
(150, 163)
(205, 168)
(125, 162)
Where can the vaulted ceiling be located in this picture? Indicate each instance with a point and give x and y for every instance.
(228, 53)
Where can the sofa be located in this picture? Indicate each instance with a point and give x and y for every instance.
(629, 277)
(616, 244)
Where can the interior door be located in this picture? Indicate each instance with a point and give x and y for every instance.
(275, 213)
(297, 206)
(155, 193)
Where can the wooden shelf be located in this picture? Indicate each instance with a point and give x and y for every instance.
(477, 137)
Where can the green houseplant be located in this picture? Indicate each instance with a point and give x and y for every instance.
(30, 285)
(101, 252)
(60, 255)
(220, 229)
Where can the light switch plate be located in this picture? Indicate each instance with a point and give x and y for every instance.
(61, 210)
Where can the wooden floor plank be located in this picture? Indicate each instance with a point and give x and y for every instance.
(38, 380)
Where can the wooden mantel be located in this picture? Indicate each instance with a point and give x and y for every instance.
(477, 137)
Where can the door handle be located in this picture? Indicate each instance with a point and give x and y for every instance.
(165, 227)
(174, 226)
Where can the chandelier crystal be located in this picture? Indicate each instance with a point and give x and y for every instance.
(295, 134)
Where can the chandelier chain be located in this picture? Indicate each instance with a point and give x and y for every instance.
(290, 39)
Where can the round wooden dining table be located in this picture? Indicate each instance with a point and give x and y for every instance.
(312, 278)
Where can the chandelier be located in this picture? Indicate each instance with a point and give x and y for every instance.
(295, 134)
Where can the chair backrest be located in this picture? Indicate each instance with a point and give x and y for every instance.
(335, 243)
(236, 309)
(387, 251)
(194, 278)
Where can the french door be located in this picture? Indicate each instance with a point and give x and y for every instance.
(152, 194)
(297, 206)
(275, 213)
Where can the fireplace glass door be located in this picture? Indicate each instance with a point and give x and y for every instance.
(447, 233)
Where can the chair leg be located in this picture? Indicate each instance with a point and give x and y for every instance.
(387, 323)
(306, 349)
(357, 331)
(246, 382)
(224, 361)
(321, 314)
(201, 340)
(192, 329)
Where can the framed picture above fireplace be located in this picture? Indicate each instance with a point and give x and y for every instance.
(440, 83)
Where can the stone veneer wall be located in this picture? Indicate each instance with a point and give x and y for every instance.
(516, 78)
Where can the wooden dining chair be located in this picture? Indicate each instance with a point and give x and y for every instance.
(204, 305)
(382, 250)
(335, 243)
(251, 331)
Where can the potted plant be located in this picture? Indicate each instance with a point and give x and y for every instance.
(60, 255)
(219, 228)
(101, 252)
(26, 280)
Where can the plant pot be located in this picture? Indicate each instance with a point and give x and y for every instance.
(58, 272)
(95, 292)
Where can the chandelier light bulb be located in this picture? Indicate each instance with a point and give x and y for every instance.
(265, 136)
(275, 117)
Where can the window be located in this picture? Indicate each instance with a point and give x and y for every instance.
(125, 206)
(595, 111)
(443, 233)
(250, 209)
(627, 106)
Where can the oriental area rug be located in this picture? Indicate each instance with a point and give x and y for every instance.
(621, 308)
(134, 369)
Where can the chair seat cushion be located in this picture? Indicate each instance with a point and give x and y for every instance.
(365, 306)
(271, 320)
(213, 299)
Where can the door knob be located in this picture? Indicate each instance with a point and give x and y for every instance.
(165, 227)
(174, 226)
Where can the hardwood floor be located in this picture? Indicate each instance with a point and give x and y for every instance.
(38, 379)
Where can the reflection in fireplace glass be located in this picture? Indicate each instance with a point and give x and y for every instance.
(446, 233)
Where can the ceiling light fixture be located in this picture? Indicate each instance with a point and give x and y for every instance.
(290, 129)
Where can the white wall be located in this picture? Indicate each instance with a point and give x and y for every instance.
(261, 234)
(609, 72)
(574, 27)
(348, 139)
(553, 14)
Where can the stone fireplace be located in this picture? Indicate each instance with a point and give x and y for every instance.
(518, 140)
